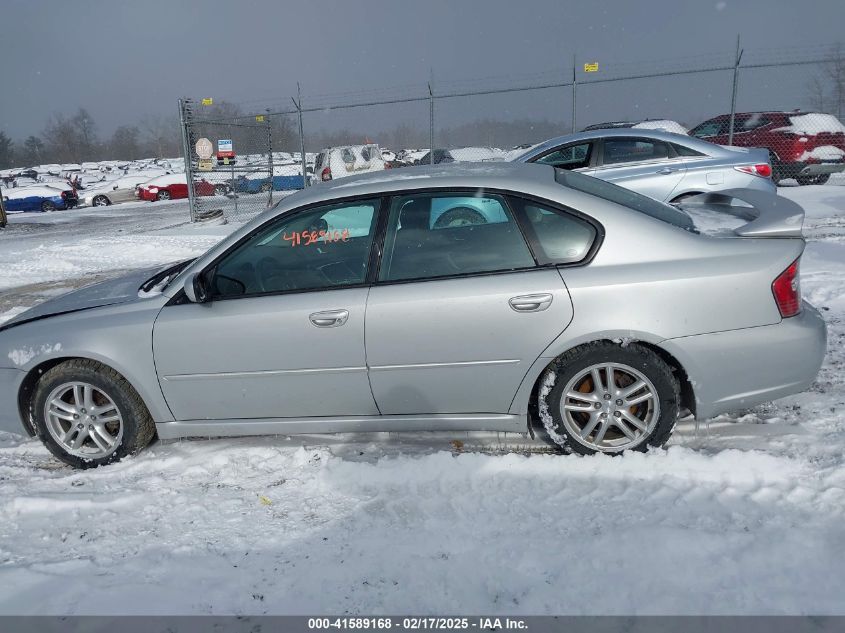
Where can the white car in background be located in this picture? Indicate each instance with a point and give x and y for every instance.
(115, 191)
(348, 160)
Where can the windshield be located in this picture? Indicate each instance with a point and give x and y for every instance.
(625, 197)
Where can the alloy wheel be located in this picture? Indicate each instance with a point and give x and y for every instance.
(83, 420)
(610, 407)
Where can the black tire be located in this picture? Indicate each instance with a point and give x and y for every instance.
(818, 179)
(48, 205)
(164, 194)
(138, 426)
(220, 190)
(100, 201)
(459, 216)
(265, 187)
(638, 357)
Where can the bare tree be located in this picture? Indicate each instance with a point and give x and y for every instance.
(827, 86)
(61, 139)
(32, 152)
(124, 143)
(162, 135)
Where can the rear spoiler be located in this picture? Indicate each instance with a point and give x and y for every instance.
(769, 215)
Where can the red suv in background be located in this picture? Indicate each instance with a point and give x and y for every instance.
(807, 146)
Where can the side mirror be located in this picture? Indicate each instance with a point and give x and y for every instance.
(195, 288)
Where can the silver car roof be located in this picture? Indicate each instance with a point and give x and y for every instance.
(670, 137)
(493, 175)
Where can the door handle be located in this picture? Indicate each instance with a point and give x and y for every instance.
(531, 303)
(665, 170)
(331, 318)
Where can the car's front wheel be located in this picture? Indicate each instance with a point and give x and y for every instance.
(101, 201)
(88, 415)
(48, 205)
(609, 398)
(164, 194)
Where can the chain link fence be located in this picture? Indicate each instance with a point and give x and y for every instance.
(788, 100)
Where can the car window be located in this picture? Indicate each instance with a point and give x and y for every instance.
(561, 237)
(347, 155)
(440, 235)
(683, 150)
(625, 197)
(323, 247)
(708, 128)
(630, 150)
(569, 157)
(750, 122)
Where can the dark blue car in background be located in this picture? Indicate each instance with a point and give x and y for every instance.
(39, 198)
(285, 178)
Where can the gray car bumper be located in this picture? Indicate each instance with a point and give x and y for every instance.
(10, 419)
(738, 369)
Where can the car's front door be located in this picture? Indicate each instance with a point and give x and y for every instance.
(283, 335)
(461, 309)
(647, 166)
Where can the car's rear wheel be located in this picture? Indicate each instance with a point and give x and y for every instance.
(459, 216)
(265, 187)
(101, 201)
(818, 179)
(48, 205)
(164, 194)
(220, 190)
(88, 415)
(609, 398)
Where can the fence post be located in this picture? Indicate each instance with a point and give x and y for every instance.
(270, 155)
(430, 125)
(184, 110)
(2, 210)
(574, 91)
(301, 134)
(737, 58)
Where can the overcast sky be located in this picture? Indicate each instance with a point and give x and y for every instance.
(123, 59)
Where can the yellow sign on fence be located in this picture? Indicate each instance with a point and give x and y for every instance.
(205, 164)
(591, 68)
(259, 117)
(208, 101)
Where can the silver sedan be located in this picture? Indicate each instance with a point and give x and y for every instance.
(665, 166)
(495, 296)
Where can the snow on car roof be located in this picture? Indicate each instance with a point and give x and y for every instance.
(167, 179)
(666, 125)
(33, 190)
(812, 123)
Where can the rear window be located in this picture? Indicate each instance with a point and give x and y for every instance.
(625, 197)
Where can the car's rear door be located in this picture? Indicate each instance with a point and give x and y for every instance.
(460, 311)
(647, 166)
(283, 336)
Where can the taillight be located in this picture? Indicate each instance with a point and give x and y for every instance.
(64, 194)
(326, 174)
(787, 291)
(764, 170)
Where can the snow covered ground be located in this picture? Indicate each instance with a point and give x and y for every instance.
(745, 515)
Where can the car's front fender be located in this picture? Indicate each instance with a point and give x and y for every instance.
(119, 336)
